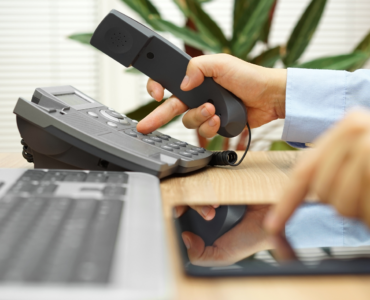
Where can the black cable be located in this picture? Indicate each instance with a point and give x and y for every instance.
(229, 158)
(27, 152)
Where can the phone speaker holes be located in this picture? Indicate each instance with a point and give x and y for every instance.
(118, 40)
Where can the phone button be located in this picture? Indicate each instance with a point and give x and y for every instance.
(180, 143)
(200, 150)
(111, 124)
(164, 136)
(183, 153)
(124, 122)
(166, 148)
(192, 151)
(156, 139)
(174, 146)
(131, 133)
(114, 114)
(92, 114)
(149, 141)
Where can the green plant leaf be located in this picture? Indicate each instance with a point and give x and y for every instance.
(267, 58)
(189, 36)
(240, 7)
(145, 9)
(153, 10)
(249, 34)
(216, 143)
(83, 38)
(141, 112)
(265, 32)
(281, 146)
(243, 10)
(304, 31)
(133, 71)
(181, 4)
(339, 62)
(206, 26)
(364, 45)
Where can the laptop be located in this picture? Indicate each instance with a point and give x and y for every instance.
(81, 235)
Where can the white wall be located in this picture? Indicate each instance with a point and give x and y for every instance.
(34, 52)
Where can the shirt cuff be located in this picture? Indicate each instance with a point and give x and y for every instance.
(315, 99)
(319, 225)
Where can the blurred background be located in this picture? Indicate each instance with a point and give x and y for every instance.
(41, 45)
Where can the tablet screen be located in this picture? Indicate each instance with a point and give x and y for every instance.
(316, 241)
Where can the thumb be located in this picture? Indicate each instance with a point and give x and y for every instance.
(194, 244)
(215, 66)
(199, 254)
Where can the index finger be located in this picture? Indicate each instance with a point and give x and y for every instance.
(293, 195)
(164, 113)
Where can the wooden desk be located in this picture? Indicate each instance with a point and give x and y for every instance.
(257, 180)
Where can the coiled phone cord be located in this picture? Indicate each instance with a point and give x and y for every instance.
(229, 158)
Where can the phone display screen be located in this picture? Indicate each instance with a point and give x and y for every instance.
(246, 250)
(72, 99)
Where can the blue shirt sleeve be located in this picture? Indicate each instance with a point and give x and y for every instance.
(319, 225)
(316, 99)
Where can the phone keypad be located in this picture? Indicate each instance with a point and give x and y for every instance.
(167, 143)
(155, 139)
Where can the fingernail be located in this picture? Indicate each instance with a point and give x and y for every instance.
(205, 112)
(184, 82)
(152, 94)
(205, 210)
(211, 122)
(186, 242)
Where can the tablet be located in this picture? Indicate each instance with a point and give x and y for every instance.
(245, 250)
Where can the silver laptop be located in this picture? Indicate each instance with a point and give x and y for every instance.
(81, 235)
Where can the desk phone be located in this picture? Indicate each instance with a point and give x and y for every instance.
(62, 128)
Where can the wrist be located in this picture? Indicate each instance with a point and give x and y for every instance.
(276, 90)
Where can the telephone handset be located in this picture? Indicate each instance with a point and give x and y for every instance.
(131, 43)
(62, 128)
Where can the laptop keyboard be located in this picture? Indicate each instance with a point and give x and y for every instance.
(50, 239)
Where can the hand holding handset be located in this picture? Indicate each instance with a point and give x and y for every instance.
(131, 43)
